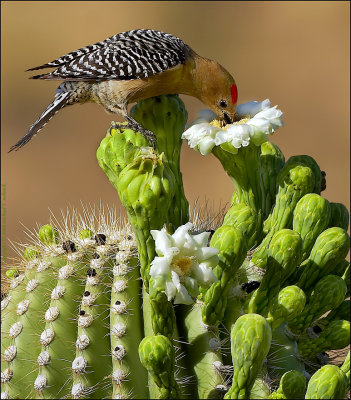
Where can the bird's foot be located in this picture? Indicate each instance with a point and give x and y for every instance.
(135, 126)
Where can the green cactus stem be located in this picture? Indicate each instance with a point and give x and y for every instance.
(292, 386)
(243, 218)
(145, 186)
(283, 355)
(346, 278)
(329, 382)
(166, 117)
(335, 336)
(311, 217)
(162, 313)
(203, 346)
(328, 293)
(246, 180)
(232, 252)
(126, 328)
(330, 248)
(250, 342)
(284, 254)
(343, 311)
(294, 181)
(272, 161)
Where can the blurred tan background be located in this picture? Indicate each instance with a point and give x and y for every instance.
(294, 53)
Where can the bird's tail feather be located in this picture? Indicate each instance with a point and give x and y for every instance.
(61, 100)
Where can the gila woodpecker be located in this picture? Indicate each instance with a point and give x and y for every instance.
(132, 66)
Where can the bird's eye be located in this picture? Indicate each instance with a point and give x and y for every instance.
(222, 103)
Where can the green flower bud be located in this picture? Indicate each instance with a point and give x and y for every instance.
(30, 253)
(243, 218)
(288, 305)
(346, 368)
(335, 336)
(329, 382)
(284, 254)
(162, 312)
(311, 217)
(12, 273)
(158, 357)
(330, 248)
(250, 342)
(86, 234)
(308, 161)
(232, 252)
(48, 235)
(339, 216)
(328, 293)
(294, 181)
(292, 386)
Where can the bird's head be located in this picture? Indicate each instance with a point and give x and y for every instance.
(219, 91)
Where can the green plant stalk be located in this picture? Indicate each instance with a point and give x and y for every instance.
(311, 217)
(335, 336)
(232, 251)
(271, 162)
(246, 180)
(283, 355)
(166, 117)
(328, 293)
(203, 350)
(294, 181)
(284, 254)
(330, 248)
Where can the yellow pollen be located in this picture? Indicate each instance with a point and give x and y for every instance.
(221, 124)
(181, 265)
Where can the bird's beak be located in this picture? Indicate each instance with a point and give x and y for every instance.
(227, 118)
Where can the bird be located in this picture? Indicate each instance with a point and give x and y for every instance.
(132, 66)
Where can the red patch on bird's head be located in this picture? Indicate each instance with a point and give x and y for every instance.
(234, 93)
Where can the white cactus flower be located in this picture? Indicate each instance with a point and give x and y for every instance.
(184, 261)
(258, 120)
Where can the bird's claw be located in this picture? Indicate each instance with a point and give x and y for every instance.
(148, 135)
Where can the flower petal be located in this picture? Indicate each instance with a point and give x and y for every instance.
(183, 297)
(170, 290)
(202, 238)
(204, 275)
(160, 266)
(251, 108)
(191, 286)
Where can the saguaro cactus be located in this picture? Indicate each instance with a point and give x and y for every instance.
(101, 308)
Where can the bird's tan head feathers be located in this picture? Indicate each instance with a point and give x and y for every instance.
(217, 89)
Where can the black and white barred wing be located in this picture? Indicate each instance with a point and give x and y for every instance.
(129, 55)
